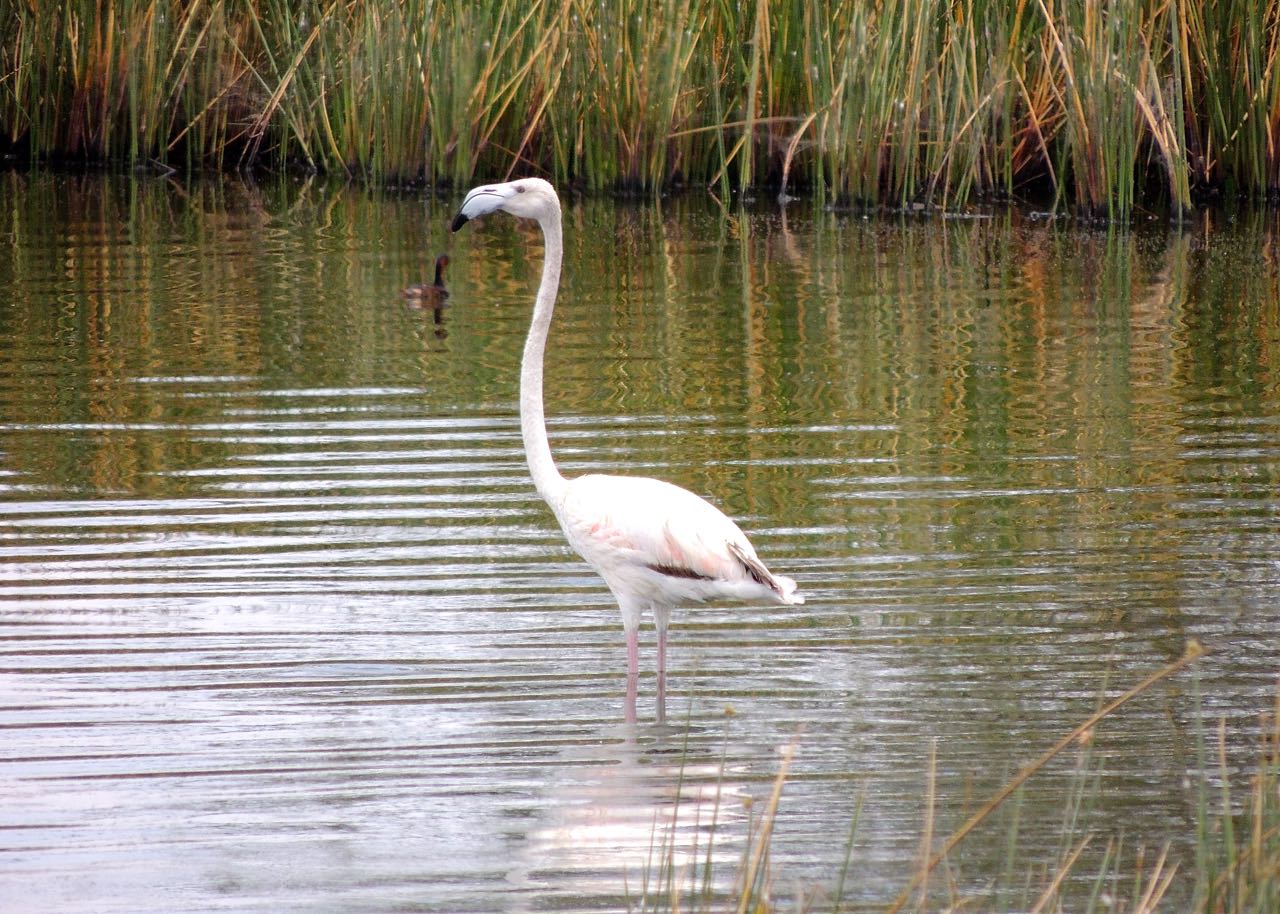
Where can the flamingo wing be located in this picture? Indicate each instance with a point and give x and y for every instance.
(627, 525)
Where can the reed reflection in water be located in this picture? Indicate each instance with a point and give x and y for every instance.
(285, 626)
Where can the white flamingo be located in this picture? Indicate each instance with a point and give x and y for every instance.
(656, 545)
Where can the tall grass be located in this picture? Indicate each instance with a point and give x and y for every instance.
(1103, 105)
(1230, 865)
(1238, 841)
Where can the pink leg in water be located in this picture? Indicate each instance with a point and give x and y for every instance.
(633, 674)
(662, 675)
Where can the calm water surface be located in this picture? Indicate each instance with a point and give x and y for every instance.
(284, 627)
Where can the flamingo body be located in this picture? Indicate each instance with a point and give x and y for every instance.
(659, 546)
(656, 545)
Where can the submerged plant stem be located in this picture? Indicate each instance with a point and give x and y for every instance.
(1193, 653)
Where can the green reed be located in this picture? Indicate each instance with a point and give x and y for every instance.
(1230, 865)
(1107, 105)
(1237, 862)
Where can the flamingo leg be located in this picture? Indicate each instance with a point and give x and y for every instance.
(633, 673)
(662, 674)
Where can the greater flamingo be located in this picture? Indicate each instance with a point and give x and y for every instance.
(656, 545)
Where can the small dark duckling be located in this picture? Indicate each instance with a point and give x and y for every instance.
(421, 295)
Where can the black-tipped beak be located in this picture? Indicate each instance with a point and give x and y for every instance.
(458, 222)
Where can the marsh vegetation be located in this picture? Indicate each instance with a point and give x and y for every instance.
(1103, 107)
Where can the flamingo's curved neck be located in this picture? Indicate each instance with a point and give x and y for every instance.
(533, 425)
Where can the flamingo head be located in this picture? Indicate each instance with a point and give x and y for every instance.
(528, 198)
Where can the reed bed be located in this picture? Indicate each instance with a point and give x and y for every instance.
(1102, 106)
